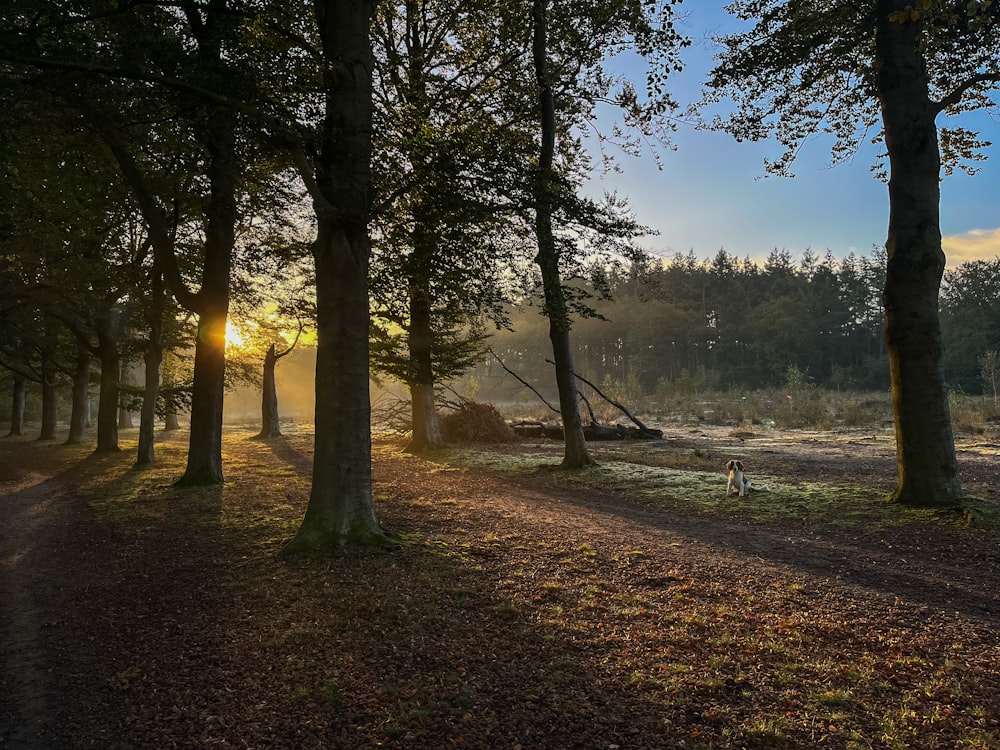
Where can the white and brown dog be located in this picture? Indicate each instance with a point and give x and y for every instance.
(739, 482)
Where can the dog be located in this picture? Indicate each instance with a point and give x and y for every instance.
(739, 482)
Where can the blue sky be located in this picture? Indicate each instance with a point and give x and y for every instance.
(711, 194)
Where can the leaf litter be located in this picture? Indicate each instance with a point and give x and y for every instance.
(525, 607)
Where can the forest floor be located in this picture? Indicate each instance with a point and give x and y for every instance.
(631, 605)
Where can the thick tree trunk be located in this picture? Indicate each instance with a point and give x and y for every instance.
(107, 405)
(341, 510)
(576, 454)
(204, 464)
(170, 421)
(426, 426)
(925, 446)
(204, 461)
(18, 399)
(48, 431)
(81, 398)
(269, 426)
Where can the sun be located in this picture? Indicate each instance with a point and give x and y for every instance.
(234, 339)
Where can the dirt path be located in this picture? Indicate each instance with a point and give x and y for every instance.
(39, 542)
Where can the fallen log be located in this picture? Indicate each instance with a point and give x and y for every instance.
(590, 432)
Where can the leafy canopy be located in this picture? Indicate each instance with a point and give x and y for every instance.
(805, 67)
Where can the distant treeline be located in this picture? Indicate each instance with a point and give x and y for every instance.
(727, 322)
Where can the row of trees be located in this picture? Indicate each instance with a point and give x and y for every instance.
(159, 148)
(730, 322)
(174, 134)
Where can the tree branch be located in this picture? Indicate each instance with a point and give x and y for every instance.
(955, 96)
(610, 400)
(523, 381)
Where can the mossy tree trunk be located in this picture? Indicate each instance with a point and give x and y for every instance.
(341, 510)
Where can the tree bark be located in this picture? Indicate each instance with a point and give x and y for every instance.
(341, 509)
(170, 421)
(153, 359)
(108, 337)
(269, 397)
(18, 399)
(426, 430)
(146, 450)
(124, 415)
(48, 371)
(204, 461)
(81, 397)
(576, 454)
(925, 446)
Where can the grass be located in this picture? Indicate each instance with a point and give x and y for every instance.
(640, 470)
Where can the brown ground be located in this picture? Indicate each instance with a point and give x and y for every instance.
(524, 610)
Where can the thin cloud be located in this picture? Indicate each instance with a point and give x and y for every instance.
(976, 244)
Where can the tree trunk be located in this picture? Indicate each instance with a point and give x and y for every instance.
(124, 415)
(341, 510)
(18, 398)
(81, 397)
(269, 426)
(48, 431)
(576, 454)
(107, 405)
(925, 446)
(204, 464)
(152, 358)
(426, 430)
(170, 421)
(420, 335)
(426, 426)
(204, 460)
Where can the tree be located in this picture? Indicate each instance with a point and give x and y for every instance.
(570, 44)
(269, 425)
(445, 150)
(841, 68)
(575, 453)
(341, 510)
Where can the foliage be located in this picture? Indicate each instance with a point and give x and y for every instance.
(687, 325)
(970, 321)
(804, 68)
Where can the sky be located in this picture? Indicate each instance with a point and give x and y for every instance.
(711, 192)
